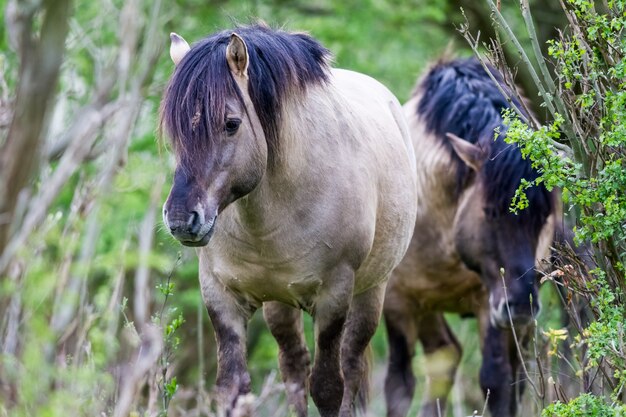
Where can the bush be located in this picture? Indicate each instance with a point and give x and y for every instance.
(582, 152)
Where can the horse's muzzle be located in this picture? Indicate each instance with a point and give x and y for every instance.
(190, 229)
(516, 314)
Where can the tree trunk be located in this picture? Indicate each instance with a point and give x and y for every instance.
(40, 60)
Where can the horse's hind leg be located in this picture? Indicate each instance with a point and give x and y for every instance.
(442, 354)
(285, 323)
(401, 327)
(361, 325)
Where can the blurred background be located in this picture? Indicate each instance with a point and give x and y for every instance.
(100, 312)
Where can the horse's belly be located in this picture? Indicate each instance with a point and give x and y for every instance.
(463, 297)
(452, 289)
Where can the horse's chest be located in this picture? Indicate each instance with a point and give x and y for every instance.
(276, 284)
(259, 274)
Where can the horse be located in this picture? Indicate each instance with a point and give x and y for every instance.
(297, 184)
(469, 253)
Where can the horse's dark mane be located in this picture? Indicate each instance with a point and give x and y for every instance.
(459, 97)
(193, 107)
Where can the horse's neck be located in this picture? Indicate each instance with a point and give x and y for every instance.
(304, 136)
(302, 156)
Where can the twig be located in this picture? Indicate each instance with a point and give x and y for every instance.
(146, 235)
(11, 318)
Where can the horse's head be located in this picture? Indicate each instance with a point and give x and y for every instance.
(220, 147)
(499, 245)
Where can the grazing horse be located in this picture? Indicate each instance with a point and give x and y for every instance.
(469, 253)
(297, 183)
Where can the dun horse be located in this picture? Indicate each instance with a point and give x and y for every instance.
(469, 254)
(297, 182)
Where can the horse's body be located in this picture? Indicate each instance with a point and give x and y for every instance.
(467, 245)
(308, 190)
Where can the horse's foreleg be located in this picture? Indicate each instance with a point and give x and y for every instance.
(285, 323)
(496, 374)
(229, 323)
(519, 378)
(331, 310)
(363, 319)
(442, 354)
(401, 335)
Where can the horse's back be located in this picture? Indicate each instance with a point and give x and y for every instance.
(378, 112)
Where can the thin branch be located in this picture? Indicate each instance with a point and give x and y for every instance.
(509, 32)
(146, 235)
(547, 77)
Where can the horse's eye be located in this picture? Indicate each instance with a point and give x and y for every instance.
(232, 125)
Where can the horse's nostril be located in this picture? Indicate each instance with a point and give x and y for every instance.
(194, 222)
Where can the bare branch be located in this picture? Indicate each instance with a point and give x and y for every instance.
(147, 355)
(83, 137)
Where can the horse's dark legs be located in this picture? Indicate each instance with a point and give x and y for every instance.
(285, 323)
(331, 311)
(442, 354)
(361, 324)
(233, 379)
(229, 319)
(496, 373)
(519, 378)
(400, 381)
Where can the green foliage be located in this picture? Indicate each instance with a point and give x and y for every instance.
(589, 79)
(171, 321)
(605, 337)
(583, 406)
(592, 82)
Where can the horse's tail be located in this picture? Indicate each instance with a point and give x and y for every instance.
(363, 394)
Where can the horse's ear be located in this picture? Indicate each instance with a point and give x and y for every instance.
(237, 56)
(178, 48)
(474, 156)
